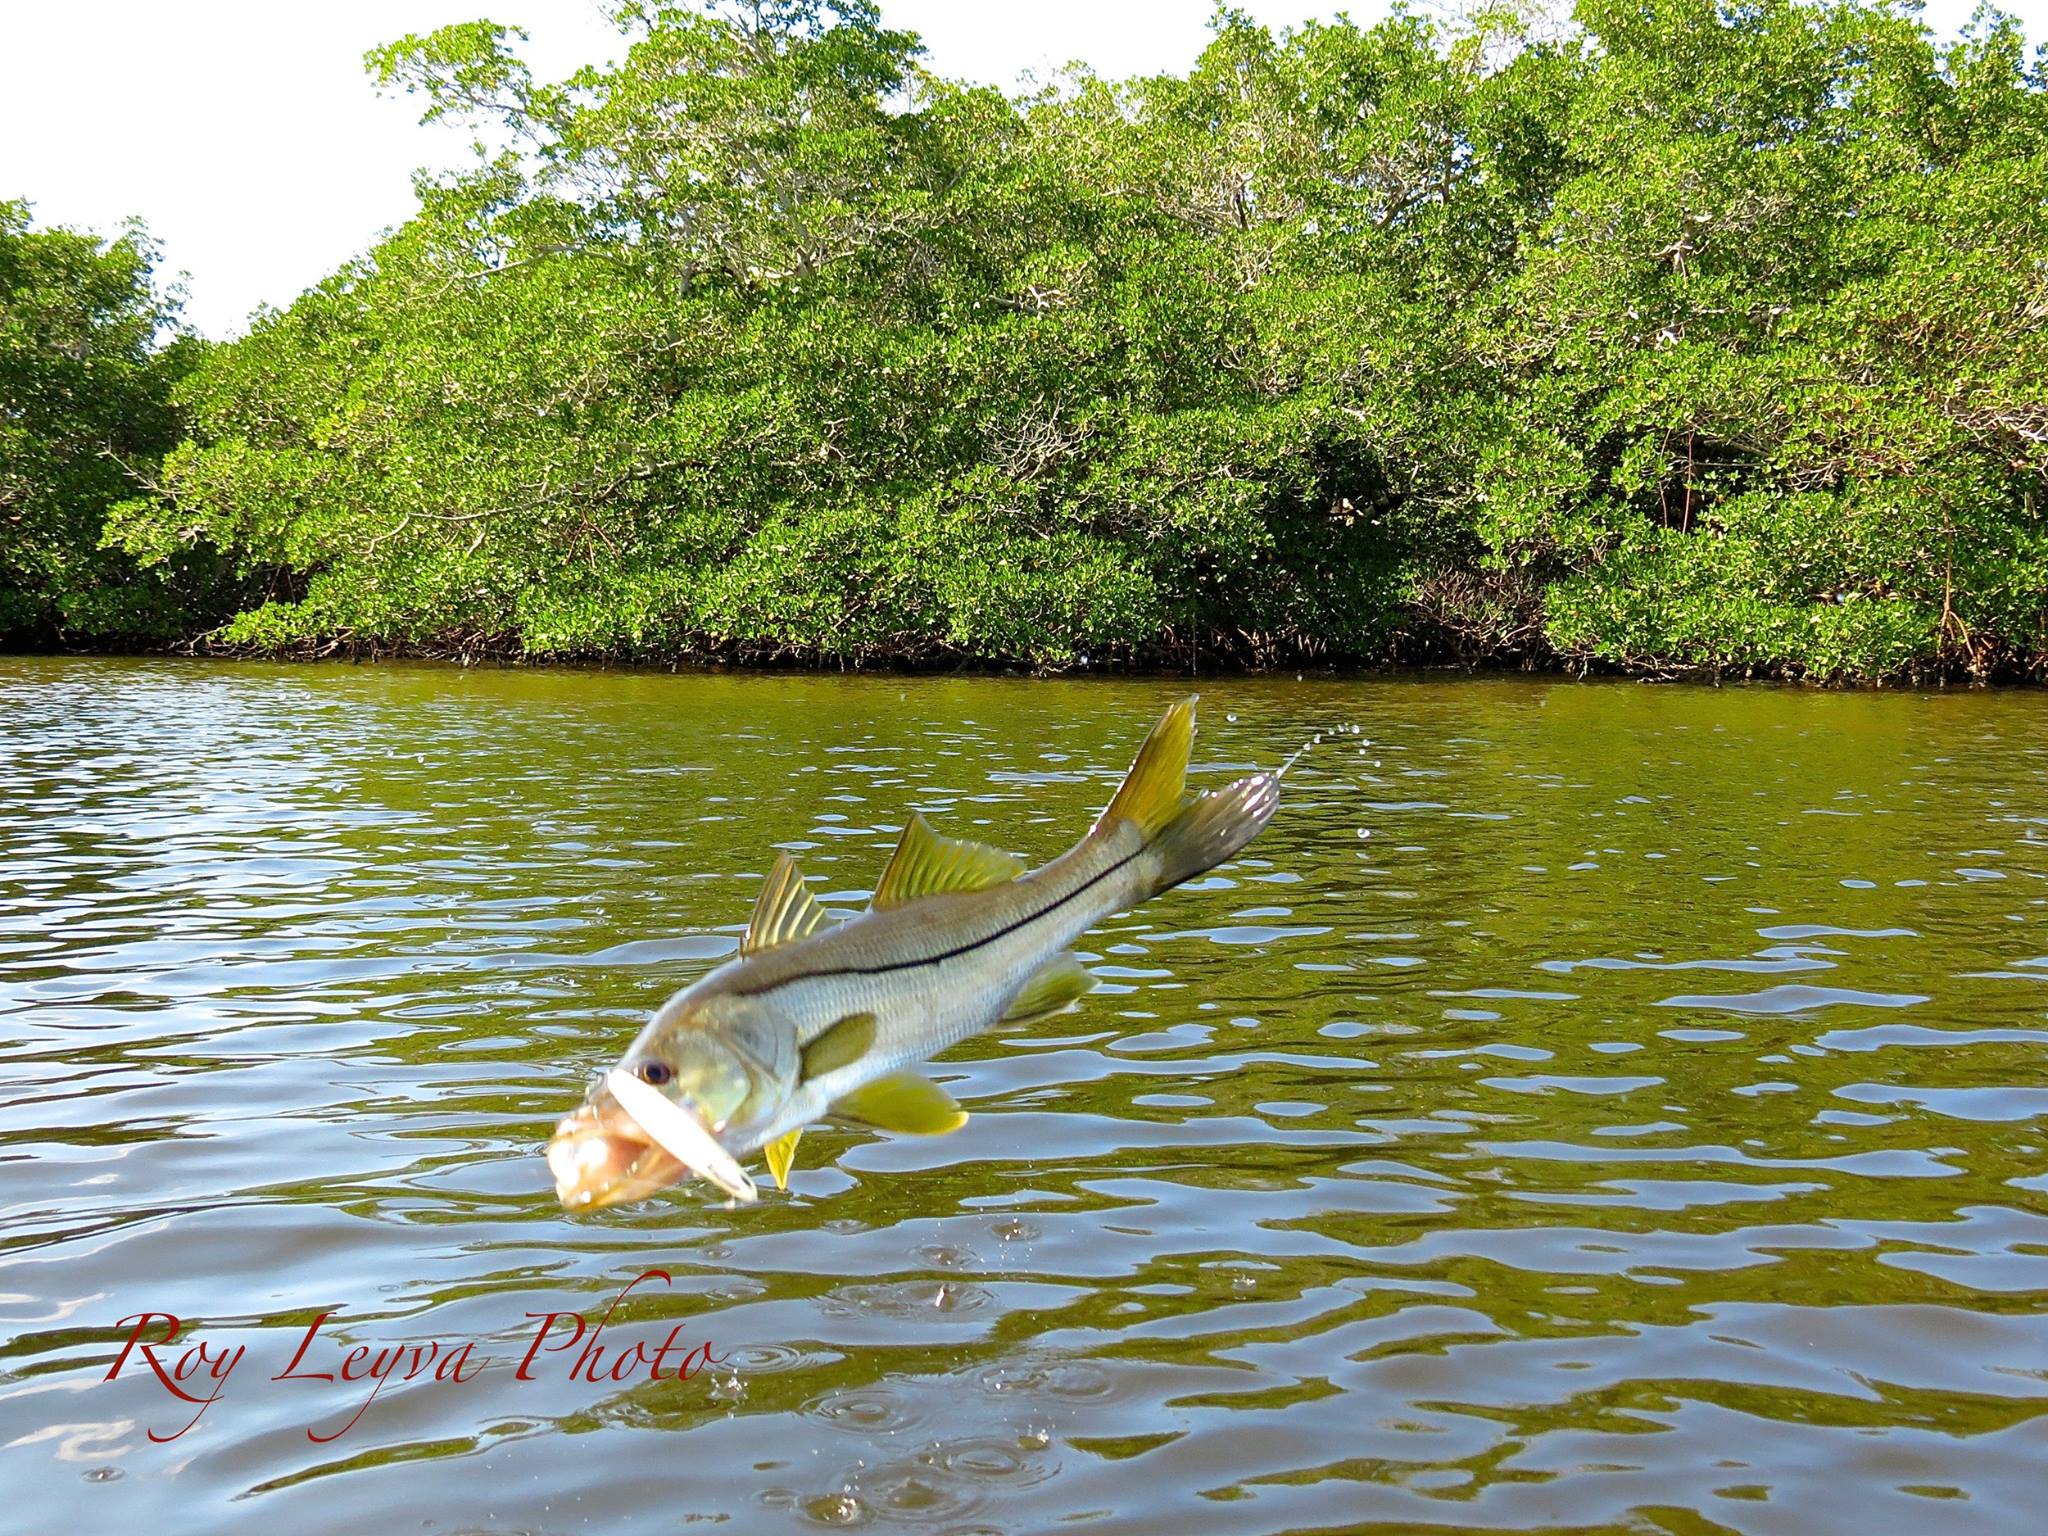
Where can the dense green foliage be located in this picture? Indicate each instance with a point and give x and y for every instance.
(1697, 336)
(84, 409)
(1779, 347)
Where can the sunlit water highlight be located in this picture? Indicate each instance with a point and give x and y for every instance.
(1588, 1107)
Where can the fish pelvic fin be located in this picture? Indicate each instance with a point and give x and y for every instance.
(1051, 987)
(784, 912)
(1155, 789)
(906, 1102)
(781, 1155)
(925, 863)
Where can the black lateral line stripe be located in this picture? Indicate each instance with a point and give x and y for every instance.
(959, 949)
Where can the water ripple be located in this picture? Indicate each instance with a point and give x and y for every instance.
(1333, 1208)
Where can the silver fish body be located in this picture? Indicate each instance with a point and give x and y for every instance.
(816, 1020)
(932, 974)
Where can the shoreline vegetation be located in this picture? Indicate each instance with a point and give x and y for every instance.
(1672, 338)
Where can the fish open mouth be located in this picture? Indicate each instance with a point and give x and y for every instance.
(629, 1141)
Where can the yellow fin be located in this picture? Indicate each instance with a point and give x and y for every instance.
(783, 912)
(1155, 789)
(781, 1155)
(925, 863)
(840, 1045)
(904, 1101)
(1051, 987)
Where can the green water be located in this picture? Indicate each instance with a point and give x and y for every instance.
(1587, 1107)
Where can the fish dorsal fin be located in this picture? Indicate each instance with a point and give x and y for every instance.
(784, 911)
(841, 1045)
(907, 1102)
(925, 863)
(1051, 987)
(1156, 788)
(781, 1155)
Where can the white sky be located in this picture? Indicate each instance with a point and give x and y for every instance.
(247, 135)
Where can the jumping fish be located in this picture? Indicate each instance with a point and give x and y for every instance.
(815, 1020)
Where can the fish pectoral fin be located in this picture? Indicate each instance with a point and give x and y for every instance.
(906, 1102)
(925, 863)
(1051, 987)
(784, 912)
(781, 1155)
(841, 1045)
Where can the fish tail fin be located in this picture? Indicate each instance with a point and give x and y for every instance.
(1155, 791)
(1212, 828)
(1187, 835)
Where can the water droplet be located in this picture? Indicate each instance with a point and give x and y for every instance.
(842, 1508)
(730, 1389)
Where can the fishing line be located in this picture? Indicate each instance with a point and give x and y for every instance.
(1316, 741)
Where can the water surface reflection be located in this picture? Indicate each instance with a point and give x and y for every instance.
(1588, 1107)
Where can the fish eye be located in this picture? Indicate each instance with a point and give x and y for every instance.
(656, 1072)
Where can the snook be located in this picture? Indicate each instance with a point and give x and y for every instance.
(816, 1020)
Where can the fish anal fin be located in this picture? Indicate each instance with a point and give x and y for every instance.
(1052, 986)
(781, 1155)
(1155, 789)
(906, 1102)
(844, 1043)
(784, 912)
(925, 863)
